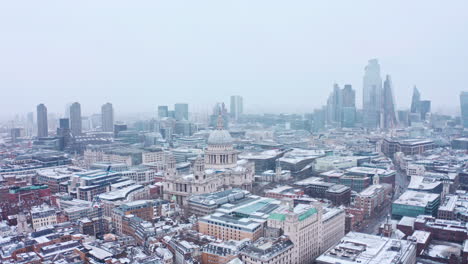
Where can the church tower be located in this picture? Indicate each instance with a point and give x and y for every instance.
(376, 179)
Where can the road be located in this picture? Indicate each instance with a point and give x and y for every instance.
(371, 226)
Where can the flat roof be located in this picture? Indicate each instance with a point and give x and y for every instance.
(414, 198)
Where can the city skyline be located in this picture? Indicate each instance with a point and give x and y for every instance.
(281, 59)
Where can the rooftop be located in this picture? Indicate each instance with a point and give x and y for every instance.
(366, 249)
(414, 198)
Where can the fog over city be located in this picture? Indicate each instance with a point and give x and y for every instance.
(281, 56)
(233, 132)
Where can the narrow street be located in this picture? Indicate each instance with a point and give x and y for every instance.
(371, 226)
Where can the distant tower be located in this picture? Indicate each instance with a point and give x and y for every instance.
(415, 100)
(75, 119)
(389, 114)
(372, 94)
(236, 106)
(163, 111)
(42, 126)
(181, 111)
(464, 108)
(22, 224)
(107, 115)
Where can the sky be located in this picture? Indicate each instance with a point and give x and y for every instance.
(281, 56)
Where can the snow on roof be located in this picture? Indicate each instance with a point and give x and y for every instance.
(407, 221)
(423, 183)
(414, 198)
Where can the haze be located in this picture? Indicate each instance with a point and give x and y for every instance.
(281, 56)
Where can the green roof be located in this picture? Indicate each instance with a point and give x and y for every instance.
(276, 216)
(307, 214)
(28, 188)
(248, 210)
(302, 217)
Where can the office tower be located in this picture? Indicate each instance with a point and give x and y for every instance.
(334, 104)
(237, 106)
(119, 128)
(181, 111)
(372, 94)
(163, 111)
(425, 108)
(67, 110)
(30, 124)
(388, 105)
(415, 101)
(403, 118)
(171, 114)
(75, 119)
(349, 96)
(63, 132)
(319, 117)
(64, 123)
(348, 106)
(15, 133)
(107, 115)
(42, 126)
(303, 225)
(464, 108)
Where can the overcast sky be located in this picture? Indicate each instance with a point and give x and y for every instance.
(282, 56)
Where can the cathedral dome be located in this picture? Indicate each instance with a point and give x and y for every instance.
(220, 137)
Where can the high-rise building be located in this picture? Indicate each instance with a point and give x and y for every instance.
(464, 108)
(107, 115)
(237, 106)
(334, 105)
(75, 119)
(42, 126)
(425, 108)
(63, 132)
(163, 111)
(372, 94)
(348, 107)
(30, 124)
(415, 101)
(388, 105)
(181, 111)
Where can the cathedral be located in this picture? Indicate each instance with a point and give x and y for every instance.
(218, 170)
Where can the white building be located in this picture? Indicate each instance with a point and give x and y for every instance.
(333, 226)
(369, 249)
(42, 216)
(335, 163)
(303, 225)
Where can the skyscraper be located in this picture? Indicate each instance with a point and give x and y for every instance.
(236, 106)
(464, 108)
(415, 101)
(181, 111)
(334, 105)
(425, 108)
(42, 126)
(30, 124)
(75, 119)
(348, 107)
(163, 111)
(372, 94)
(388, 104)
(107, 115)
